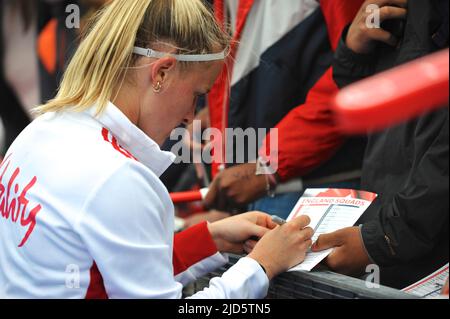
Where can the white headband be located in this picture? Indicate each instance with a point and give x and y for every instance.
(149, 53)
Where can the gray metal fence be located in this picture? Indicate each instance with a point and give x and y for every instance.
(312, 285)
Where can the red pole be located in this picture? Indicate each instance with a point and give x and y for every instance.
(394, 96)
(188, 197)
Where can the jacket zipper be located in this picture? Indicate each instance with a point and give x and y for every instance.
(389, 242)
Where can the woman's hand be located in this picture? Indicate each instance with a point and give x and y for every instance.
(361, 37)
(279, 247)
(230, 234)
(211, 216)
(284, 247)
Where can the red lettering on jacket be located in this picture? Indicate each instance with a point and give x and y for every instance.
(115, 144)
(14, 202)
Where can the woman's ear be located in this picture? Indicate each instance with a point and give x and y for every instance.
(161, 70)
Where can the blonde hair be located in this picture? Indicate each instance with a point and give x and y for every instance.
(100, 64)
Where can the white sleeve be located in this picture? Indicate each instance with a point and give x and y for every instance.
(195, 254)
(244, 280)
(122, 226)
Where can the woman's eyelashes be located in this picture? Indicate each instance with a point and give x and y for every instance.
(197, 96)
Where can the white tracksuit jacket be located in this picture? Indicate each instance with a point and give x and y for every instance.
(84, 215)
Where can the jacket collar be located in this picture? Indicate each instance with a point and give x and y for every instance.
(133, 140)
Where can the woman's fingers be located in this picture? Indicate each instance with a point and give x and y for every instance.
(261, 219)
(307, 234)
(249, 246)
(257, 231)
(300, 222)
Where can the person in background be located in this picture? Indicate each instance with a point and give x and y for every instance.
(405, 232)
(19, 77)
(35, 46)
(296, 101)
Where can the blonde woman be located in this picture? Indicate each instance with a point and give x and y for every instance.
(83, 212)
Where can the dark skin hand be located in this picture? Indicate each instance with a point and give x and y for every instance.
(235, 187)
(361, 38)
(349, 256)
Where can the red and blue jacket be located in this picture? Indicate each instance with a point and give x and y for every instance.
(289, 85)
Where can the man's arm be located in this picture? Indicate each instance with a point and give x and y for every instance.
(308, 135)
(410, 225)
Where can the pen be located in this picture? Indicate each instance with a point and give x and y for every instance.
(278, 220)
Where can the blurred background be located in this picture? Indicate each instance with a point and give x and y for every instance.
(35, 46)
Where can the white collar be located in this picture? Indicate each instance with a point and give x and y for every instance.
(132, 139)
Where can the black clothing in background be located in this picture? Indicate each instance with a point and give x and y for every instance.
(406, 230)
(12, 114)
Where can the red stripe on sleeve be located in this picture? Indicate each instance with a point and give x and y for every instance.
(192, 246)
(96, 288)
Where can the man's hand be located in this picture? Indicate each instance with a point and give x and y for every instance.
(361, 38)
(211, 216)
(236, 186)
(230, 234)
(349, 256)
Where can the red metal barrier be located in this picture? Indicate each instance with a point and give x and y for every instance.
(188, 197)
(394, 96)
